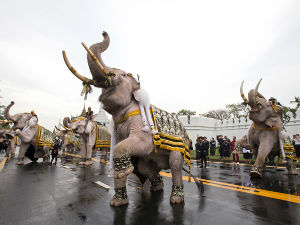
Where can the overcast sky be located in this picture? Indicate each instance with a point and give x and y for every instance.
(189, 54)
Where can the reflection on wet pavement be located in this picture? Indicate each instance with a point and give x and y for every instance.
(42, 194)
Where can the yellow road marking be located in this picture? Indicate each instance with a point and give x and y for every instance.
(234, 187)
(249, 190)
(2, 163)
(78, 156)
(241, 164)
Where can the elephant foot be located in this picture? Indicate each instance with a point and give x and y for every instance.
(157, 183)
(256, 172)
(120, 197)
(82, 162)
(88, 163)
(176, 199)
(157, 187)
(177, 195)
(122, 167)
(292, 172)
(20, 163)
(118, 202)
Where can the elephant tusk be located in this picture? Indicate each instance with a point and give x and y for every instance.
(255, 90)
(57, 128)
(242, 93)
(66, 128)
(79, 76)
(101, 67)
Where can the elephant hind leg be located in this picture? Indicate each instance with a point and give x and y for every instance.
(150, 170)
(176, 163)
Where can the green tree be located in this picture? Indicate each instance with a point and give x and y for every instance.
(219, 114)
(188, 113)
(238, 110)
(297, 101)
(288, 113)
(185, 112)
(2, 117)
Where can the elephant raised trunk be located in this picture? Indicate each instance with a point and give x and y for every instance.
(67, 122)
(99, 69)
(252, 95)
(7, 114)
(102, 74)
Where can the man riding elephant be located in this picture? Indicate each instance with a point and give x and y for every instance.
(36, 141)
(266, 132)
(136, 150)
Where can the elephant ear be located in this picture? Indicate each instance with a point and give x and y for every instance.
(274, 121)
(137, 95)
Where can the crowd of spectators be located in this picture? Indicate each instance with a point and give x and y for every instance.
(205, 149)
(296, 144)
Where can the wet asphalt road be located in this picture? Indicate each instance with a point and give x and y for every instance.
(42, 194)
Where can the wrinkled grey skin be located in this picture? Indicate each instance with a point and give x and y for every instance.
(118, 100)
(9, 135)
(87, 139)
(28, 137)
(261, 137)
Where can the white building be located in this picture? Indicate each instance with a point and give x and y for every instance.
(203, 126)
(102, 117)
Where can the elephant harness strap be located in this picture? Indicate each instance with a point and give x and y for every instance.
(130, 114)
(266, 128)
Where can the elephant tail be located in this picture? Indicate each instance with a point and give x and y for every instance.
(198, 183)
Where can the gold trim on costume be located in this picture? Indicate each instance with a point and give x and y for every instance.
(133, 113)
(267, 128)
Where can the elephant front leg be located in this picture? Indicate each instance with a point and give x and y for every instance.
(120, 197)
(89, 156)
(63, 154)
(83, 154)
(135, 145)
(91, 139)
(103, 155)
(263, 151)
(122, 159)
(46, 157)
(176, 163)
(22, 151)
(11, 149)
